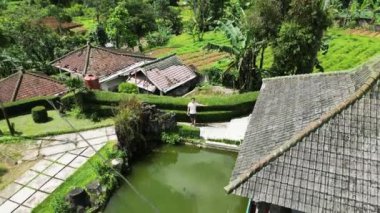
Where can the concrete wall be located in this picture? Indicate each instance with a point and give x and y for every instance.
(112, 84)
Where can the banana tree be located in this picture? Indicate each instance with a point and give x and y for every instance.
(244, 50)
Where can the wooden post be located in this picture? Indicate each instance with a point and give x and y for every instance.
(10, 127)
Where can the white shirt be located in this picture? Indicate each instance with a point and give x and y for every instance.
(192, 107)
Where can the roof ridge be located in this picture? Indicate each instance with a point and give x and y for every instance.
(9, 76)
(67, 54)
(312, 126)
(159, 59)
(14, 95)
(120, 53)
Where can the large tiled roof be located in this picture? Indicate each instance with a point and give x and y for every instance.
(28, 85)
(313, 143)
(168, 73)
(97, 61)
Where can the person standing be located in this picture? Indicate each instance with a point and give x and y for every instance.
(192, 111)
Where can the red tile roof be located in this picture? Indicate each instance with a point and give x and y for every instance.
(28, 85)
(101, 61)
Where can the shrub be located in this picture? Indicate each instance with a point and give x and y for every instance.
(60, 205)
(76, 112)
(128, 88)
(75, 10)
(107, 176)
(214, 75)
(171, 138)
(39, 114)
(159, 37)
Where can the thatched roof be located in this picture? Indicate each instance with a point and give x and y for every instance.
(313, 143)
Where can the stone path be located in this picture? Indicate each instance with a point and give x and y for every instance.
(62, 156)
(233, 130)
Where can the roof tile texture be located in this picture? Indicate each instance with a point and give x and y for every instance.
(30, 85)
(102, 61)
(334, 169)
(168, 73)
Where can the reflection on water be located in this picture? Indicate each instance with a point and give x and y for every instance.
(180, 179)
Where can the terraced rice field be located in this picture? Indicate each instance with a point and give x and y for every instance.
(193, 53)
(348, 49)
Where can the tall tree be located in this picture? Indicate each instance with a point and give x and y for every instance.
(141, 19)
(205, 14)
(300, 38)
(264, 20)
(168, 15)
(117, 27)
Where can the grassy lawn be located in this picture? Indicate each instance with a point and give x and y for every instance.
(346, 51)
(83, 176)
(27, 128)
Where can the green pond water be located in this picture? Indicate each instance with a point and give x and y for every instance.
(180, 179)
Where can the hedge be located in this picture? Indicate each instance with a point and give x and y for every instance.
(24, 107)
(214, 103)
(218, 108)
(211, 116)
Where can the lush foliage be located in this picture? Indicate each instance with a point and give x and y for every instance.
(160, 37)
(118, 27)
(60, 205)
(107, 177)
(128, 126)
(128, 88)
(300, 38)
(39, 114)
(171, 138)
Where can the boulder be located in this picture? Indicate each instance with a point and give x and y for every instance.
(78, 199)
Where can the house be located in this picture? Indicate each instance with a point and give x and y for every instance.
(313, 144)
(24, 85)
(166, 76)
(106, 64)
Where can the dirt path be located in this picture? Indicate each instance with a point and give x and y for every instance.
(363, 32)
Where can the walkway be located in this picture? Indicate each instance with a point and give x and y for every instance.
(233, 130)
(62, 156)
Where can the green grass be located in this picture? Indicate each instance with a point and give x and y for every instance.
(88, 23)
(26, 126)
(83, 176)
(187, 131)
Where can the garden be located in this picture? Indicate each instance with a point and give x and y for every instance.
(233, 45)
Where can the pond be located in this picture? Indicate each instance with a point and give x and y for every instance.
(180, 179)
